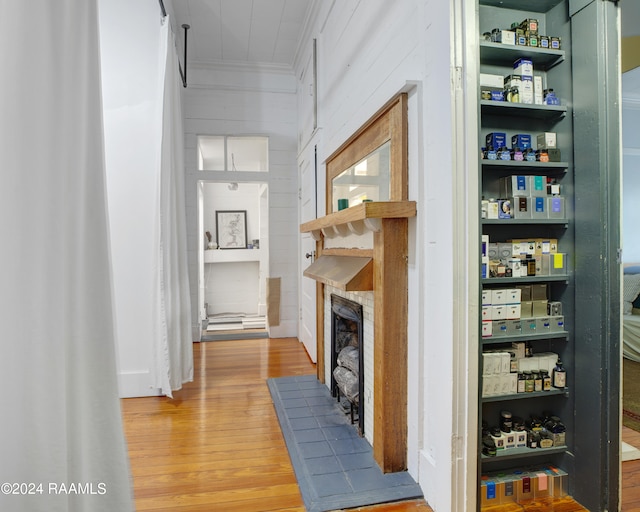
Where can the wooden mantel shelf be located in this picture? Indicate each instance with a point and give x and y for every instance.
(358, 219)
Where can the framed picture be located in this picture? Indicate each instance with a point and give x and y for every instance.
(231, 229)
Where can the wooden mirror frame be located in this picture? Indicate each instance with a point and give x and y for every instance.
(388, 124)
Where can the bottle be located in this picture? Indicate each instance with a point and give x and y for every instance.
(559, 376)
(537, 381)
(521, 382)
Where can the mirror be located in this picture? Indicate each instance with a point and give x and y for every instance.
(367, 180)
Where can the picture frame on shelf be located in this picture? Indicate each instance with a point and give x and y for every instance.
(231, 229)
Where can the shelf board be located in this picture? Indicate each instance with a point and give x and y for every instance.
(362, 212)
(232, 255)
(521, 396)
(528, 279)
(537, 6)
(505, 222)
(492, 340)
(520, 166)
(505, 54)
(523, 453)
(523, 110)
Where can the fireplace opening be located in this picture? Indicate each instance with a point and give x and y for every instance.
(347, 361)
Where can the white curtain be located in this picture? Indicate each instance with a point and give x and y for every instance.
(61, 427)
(174, 349)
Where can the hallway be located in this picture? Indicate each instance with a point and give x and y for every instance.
(218, 446)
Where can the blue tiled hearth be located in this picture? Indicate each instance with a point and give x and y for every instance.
(334, 466)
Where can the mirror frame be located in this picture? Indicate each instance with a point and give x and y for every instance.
(388, 124)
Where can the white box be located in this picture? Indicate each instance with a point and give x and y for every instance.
(489, 80)
(492, 210)
(538, 90)
(505, 36)
(486, 313)
(513, 312)
(487, 329)
(526, 90)
(546, 140)
(499, 312)
(486, 386)
(486, 297)
(498, 296)
(523, 66)
(513, 295)
(505, 384)
(505, 362)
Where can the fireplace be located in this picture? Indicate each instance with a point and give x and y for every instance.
(347, 356)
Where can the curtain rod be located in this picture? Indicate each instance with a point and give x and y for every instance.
(183, 74)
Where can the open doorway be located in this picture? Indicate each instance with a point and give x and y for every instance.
(234, 259)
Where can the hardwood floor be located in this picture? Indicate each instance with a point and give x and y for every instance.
(217, 446)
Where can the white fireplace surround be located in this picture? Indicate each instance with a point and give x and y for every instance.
(365, 299)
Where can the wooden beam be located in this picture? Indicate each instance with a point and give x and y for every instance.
(390, 345)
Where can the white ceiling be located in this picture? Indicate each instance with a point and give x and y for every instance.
(248, 32)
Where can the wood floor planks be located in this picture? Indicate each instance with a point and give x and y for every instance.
(217, 446)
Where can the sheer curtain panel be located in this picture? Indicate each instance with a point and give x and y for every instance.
(174, 349)
(63, 447)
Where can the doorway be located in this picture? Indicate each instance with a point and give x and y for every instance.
(234, 259)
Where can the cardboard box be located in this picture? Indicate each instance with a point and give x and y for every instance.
(499, 328)
(528, 327)
(538, 91)
(487, 329)
(526, 90)
(525, 292)
(498, 312)
(486, 297)
(526, 309)
(521, 140)
(521, 208)
(557, 323)
(492, 209)
(503, 36)
(556, 207)
(514, 328)
(496, 140)
(513, 295)
(512, 311)
(538, 185)
(539, 308)
(498, 296)
(546, 140)
(504, 208)
(539, 207)
(492, 81)
(539, 292)
(524, 67)
(514, 186)
(543, 324)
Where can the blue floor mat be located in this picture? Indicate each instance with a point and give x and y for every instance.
(334, 466)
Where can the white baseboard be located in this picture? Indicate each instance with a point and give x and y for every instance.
(136, 384)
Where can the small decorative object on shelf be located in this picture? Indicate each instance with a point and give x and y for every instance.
(210, 243)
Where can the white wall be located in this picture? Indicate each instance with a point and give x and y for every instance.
(367, 53)
(631, 172)
(130, 38)
(233, 100)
